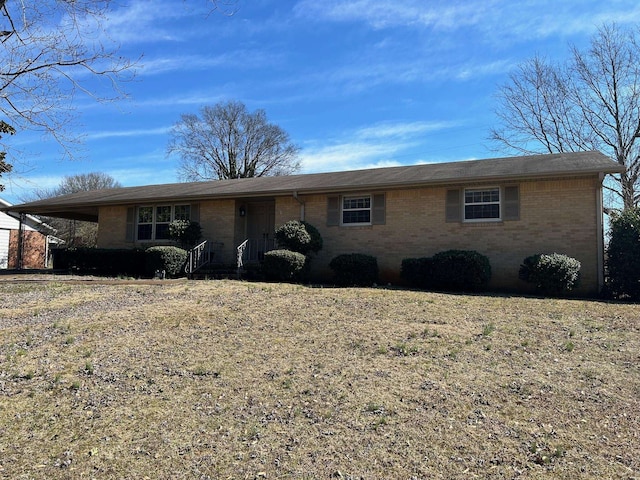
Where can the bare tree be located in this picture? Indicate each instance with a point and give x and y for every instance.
(4, 166)
(50, 50)
(590, 102)
(77, 233)
(226, 141)
(53, 50)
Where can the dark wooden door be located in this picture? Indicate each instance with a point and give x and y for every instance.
(260, 229)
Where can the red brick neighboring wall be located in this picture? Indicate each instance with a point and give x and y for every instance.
(34, 249)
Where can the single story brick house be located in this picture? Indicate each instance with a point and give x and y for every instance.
(505, 208)
(24, 243)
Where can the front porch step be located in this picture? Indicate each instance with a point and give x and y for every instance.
(215, 272)
(251, 272)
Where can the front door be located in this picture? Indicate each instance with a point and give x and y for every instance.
(260, 229)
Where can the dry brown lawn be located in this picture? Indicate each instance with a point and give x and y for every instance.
(224, 379)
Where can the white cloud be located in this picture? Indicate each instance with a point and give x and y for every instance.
(379, 145)
(127, 133)
(497, 19)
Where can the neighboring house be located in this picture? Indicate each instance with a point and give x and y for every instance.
(25, 244)
(505, 208)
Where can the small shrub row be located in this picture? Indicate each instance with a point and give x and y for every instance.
(457, 270)
(135, 262)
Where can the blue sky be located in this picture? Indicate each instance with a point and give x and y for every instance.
(355, 83)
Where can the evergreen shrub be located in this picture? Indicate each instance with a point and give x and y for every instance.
(171, 260)
(460, 270)
(100, 261)
(417, 272)
(283, 265)
(623, 254)
(551, 273)
(355, 269)
(300, 237)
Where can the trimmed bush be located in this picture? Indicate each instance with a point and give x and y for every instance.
(417, 272)
(460, 270)
(185, 232)
(623, 252)
(355, 269)
(283, 265)
(551, 273)
(170, 259)
(299, 237)
(100, 261)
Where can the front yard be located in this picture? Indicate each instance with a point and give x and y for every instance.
(223, 379)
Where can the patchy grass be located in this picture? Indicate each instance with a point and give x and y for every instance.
(246, 380)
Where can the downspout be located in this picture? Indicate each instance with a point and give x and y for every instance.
(295, 195)
(600, 233)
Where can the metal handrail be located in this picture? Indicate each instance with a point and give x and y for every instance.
(240, 255)
(197, 257)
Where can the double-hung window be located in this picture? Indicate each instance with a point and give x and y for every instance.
(153, 221)
(145, 223)
(356, 210)
(482, 204)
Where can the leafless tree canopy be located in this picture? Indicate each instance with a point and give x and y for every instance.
(590, 102)
(50, 50)
(77, 233)
(226, 141)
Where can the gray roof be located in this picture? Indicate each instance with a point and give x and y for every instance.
(84, 205)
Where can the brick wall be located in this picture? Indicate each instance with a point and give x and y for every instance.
(34, 248)
(555, 216)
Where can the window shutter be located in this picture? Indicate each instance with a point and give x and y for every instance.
(378, 209)
(333, 211)
(511, 203)
(195, 212)
(453, 206)
(131, 216)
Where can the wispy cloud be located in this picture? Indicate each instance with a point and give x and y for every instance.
(126, 133)
(146, 21)
(496, 18)
(380, 145)
(391, 13)
(238, 59)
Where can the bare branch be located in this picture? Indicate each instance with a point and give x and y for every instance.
(591, 102)
(226, 141)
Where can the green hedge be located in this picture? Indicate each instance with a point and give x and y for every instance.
(461, 270)
(101, 261)
(417, 272)
(134, 262)
(623, 255)
(355, 269)
(283, 265)
(458, 270)
(551, 273)
(170, 260)
(299, 237)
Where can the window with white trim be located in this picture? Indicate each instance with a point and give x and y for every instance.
(482, 204)
(153, 221)
(356, 210)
